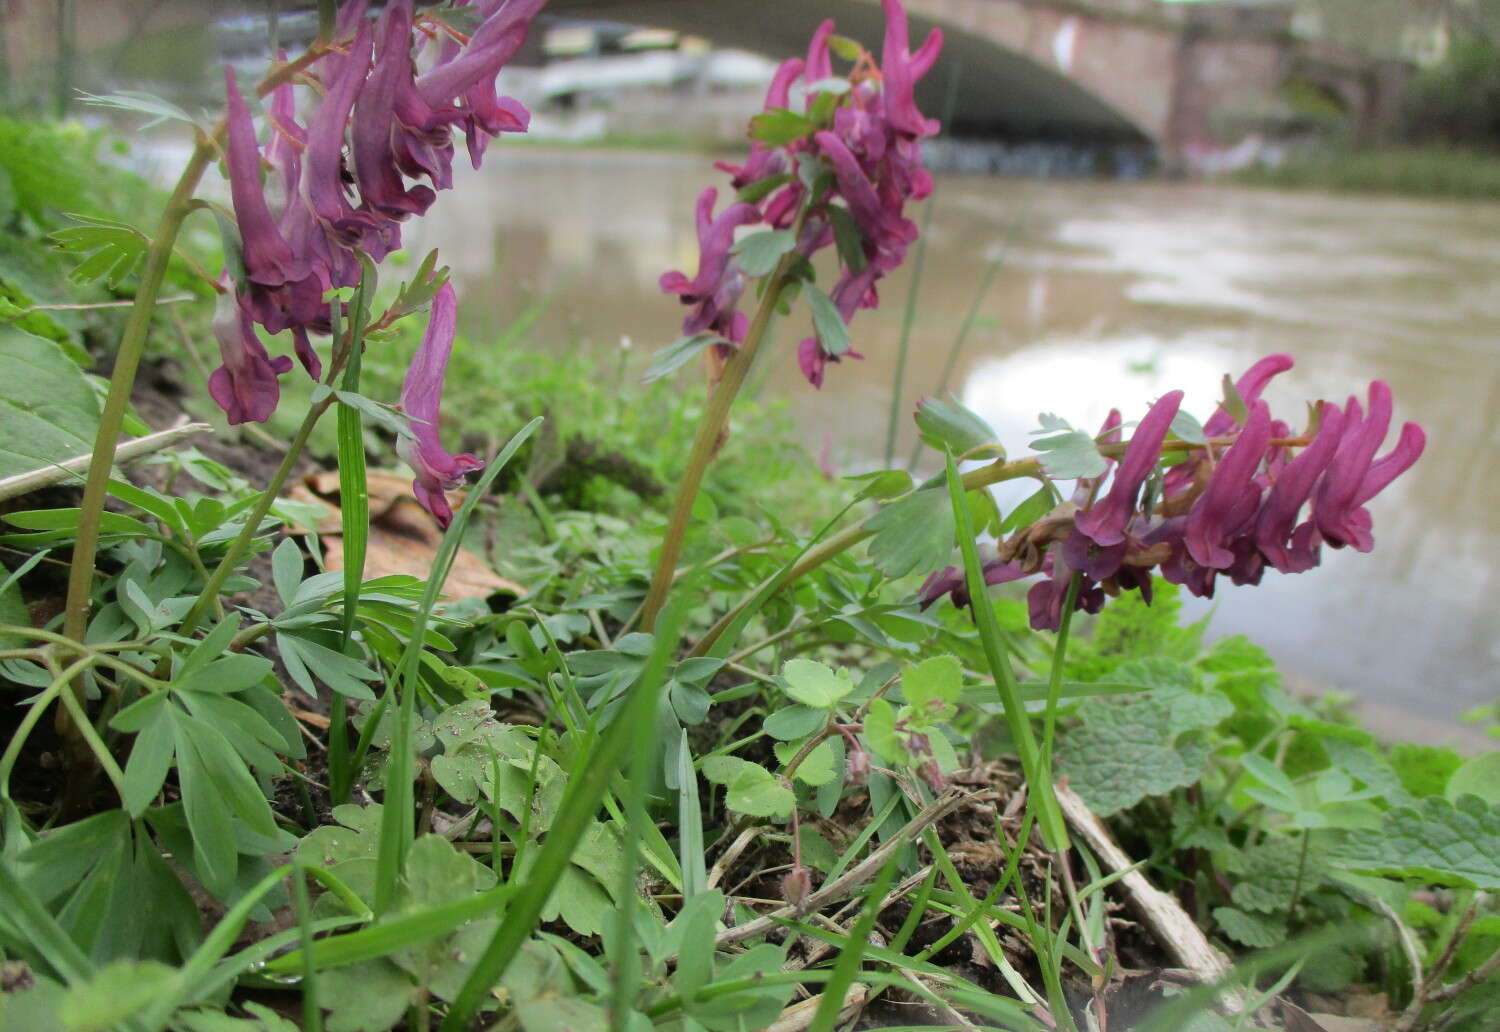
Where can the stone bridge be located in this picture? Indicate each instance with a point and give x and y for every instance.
(1189, 79)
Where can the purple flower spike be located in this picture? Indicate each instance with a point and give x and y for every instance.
(245, 386)
(421, 398)
(1104, 524)
(1278, 516)
(901, 70)
(1232, 495)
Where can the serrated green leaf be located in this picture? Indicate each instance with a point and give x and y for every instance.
(1248, 929)
(1069, 455)
(814, 684)
(1438, 841)
(949, 424)
(913, 534)
(759, 252)
(932, 687)
(1266, 874)
(1129, 748)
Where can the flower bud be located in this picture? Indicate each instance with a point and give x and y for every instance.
(859, 769)
(796, 885)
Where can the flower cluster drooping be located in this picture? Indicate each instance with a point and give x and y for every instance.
(374, 151)
(855, 147)
(1232, 506)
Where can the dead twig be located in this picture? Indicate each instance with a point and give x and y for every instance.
(856, 875)
(71, 469)
(1182, 938)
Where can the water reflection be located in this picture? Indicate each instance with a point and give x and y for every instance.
(1110, 293)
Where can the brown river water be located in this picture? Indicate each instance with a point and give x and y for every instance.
(1108, 294)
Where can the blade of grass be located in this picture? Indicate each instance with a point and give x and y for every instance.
(847, 965)
(354, 505)
(398, 933)
(591, 780)
(1039, 785)
(627, 958)
(312, 1014)
(689, 824)
(41, 930)
(398, 816)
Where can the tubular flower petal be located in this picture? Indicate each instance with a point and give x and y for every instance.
(245, 386)
(1336, 511)
(811, 359)
(1278, 516)
(1249, 388)
(380, 181)
(323, 187)
(1104, 524)
(901, 70)
(421, 398)
(716, 289)
(1231, 496)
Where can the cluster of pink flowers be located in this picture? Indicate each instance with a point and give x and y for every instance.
(344, 182)
(1233, 506)
(868, 143)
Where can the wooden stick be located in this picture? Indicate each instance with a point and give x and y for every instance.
(23, 483)
(1182, 938)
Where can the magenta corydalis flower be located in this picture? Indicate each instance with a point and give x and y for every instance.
(901, 69)
(1354, 476)
(1232, 494)
(246, 385)
(421, 398)
(715, 291)
(1276, 522)
(1104, 524)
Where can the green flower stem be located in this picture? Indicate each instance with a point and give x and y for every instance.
(997, 472)
(132, 344)
(128, 359)
(839, 543)
(706, 444)
(241, 544)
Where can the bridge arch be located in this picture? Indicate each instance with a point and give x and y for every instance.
(1028, 69)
